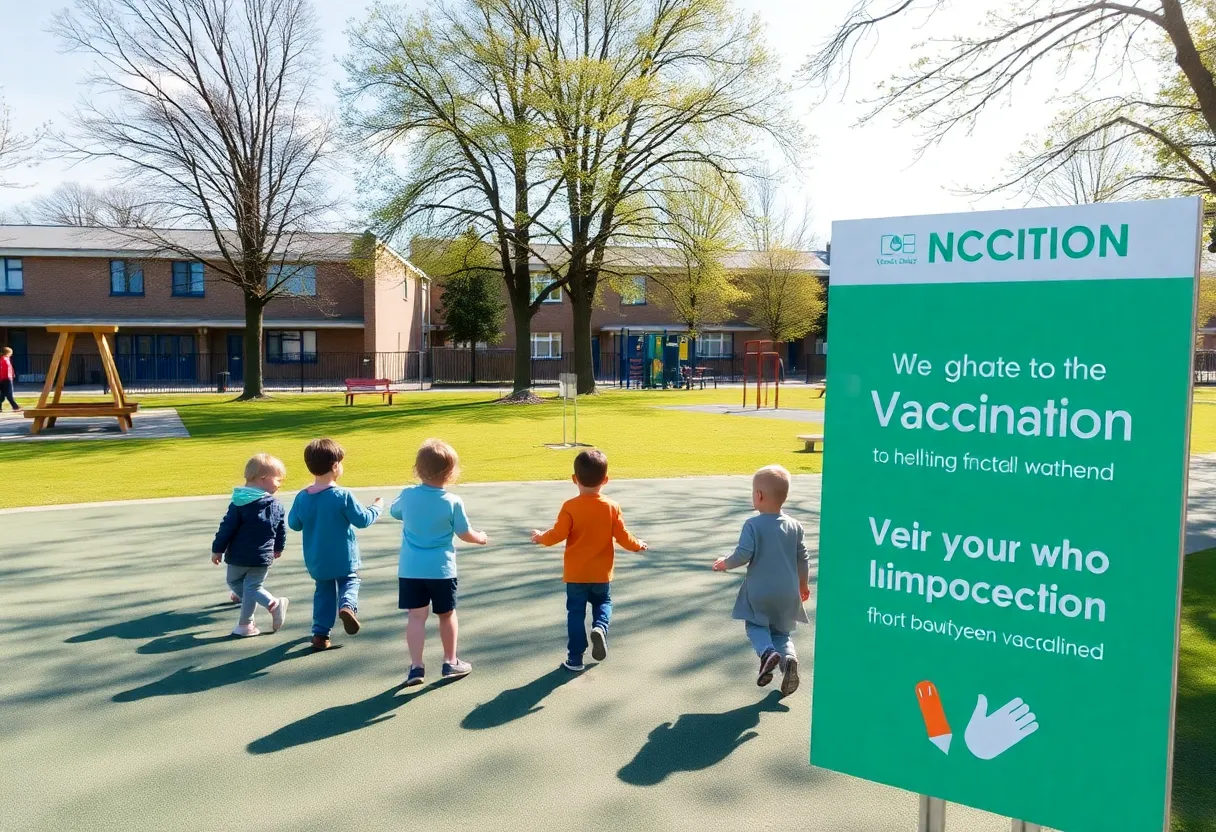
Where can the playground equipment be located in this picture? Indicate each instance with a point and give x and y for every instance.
(50, 408)
(655, 359)
(760, 354)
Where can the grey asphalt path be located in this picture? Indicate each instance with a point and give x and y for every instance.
(127, 707)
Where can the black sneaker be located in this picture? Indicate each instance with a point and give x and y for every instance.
(768, 663)
(789, 681)
(599, 644)
(416, 676)
(456, 669)
(573, 666)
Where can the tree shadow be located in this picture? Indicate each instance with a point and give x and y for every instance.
(179, 641)
(188, 680)
(336, 721)
(516, 703)
(152, 626)
(696, 742)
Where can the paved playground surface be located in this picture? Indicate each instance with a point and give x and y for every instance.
(127, 707)
(788, 414)
(158, 423)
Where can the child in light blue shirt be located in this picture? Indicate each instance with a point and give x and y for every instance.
(328, 516)
(426, 573)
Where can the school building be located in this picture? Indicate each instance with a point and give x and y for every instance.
(619, 323)
(179, 321)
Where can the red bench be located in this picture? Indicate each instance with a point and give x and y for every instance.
(382, 387)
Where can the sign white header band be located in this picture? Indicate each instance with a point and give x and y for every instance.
(1106, 241)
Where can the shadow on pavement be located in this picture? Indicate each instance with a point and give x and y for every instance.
(153, 626)
(336, 721)
(189, 680)
(180, 641)
(516, 703)
(696, 742)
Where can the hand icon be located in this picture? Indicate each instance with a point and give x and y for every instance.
(989, 736)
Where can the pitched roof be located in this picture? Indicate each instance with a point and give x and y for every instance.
(70, 241)
(660, 257)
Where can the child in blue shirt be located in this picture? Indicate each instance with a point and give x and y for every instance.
(250, 538)
(328, 516)
(426, 572)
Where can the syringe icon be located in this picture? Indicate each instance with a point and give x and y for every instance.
(935, 716)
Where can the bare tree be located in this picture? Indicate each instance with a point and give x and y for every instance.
(1099, 169)
(72, 203)
(1090, 43)
(214, 121)
(16, 149)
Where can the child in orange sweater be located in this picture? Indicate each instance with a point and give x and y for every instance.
(589, 523)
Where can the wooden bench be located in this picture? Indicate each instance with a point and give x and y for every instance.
(811, 439)
(382, 387)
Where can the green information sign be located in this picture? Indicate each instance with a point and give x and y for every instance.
(1003, 508)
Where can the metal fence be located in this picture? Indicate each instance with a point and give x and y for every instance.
(1205, 366)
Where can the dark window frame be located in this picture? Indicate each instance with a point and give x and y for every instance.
(189, 266)
(129, 269)
(278, 356)
(6, 268)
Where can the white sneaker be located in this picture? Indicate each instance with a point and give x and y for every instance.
(233, 598)
(246, 630)
(278, 615)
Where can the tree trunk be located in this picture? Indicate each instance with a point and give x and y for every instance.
(473, 363)
(584, 363)
(253, 348)
(523, 344)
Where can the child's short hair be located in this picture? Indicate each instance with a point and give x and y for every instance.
(264, 465)
(8, 350)
(591, 468)
(437, 461)
(773, 481)
(322, 455)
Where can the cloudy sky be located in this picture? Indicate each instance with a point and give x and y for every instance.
(869, 170)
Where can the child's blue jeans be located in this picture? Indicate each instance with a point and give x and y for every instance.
(764, 639)
(329, 596)
(578, 596)
(246, 583)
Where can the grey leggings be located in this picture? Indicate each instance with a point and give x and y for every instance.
(246, 582)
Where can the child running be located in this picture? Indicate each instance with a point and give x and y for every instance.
(778, 570)
(328, 516)
(588, 523)
(426, 572)
(251, 536)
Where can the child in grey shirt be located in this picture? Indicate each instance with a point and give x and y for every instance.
(778, 577)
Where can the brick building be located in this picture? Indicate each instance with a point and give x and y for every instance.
(619, 322)
(179, 320)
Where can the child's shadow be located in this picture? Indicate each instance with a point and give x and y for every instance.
(516, 703)
(153, 626)
(189, 680)
(696, 742)
(336, 721)
(180, 641)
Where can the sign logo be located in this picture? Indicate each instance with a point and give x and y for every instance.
(895, 245)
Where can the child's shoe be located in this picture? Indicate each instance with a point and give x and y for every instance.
(456, 669)
(789, 681)
(574, 666)
(768, 663)
(233, 598)
(415, 677)
(349, 622)
(599, 644)
(278, 614)
(320, 642)
(246, 630)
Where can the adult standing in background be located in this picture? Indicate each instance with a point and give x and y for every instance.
(8, 377)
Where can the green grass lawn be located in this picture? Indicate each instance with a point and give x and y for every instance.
(496, 442)
(1195, 738)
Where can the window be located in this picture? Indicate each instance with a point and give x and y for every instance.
(714, 344)
(539, 282)
(546, 345)
(638, 296)
(821, 347)
(464, 345)
(300, 281)
(126, 278)
(188, 278)
(12, 277)
(291, 346)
